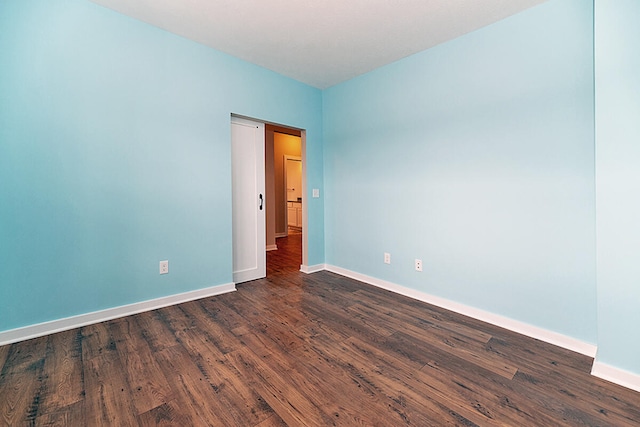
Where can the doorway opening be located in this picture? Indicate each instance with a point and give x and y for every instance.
(285, 189)
(265, 219)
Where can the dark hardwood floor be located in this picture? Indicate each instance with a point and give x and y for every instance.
(297, 350)
(288, 257)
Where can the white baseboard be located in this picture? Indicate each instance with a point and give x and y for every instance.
(59, 325)
(272, 248)
(616, 375)
(278, 235)
(308, 269)
(485, 316)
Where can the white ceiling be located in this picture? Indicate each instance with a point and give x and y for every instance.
(319, 42)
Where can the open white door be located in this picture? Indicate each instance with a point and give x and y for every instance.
(248, 193)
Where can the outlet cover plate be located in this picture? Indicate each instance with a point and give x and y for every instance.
(164, 267)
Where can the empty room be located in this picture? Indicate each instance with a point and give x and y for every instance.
(310, 213)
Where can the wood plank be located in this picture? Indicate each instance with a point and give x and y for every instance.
(198, 396)
(314, 331)
(285, 397)
(169, 414)
(526, 351)
(70, 415)
(336, 385)
(338, 377)
(395, 321)
(183, 325)
(242, 403)
(219, 311)
(423, 315)
(473, 352)
(96, 341)
(63, 373)
(216, 334)
(24, 354)
(20, 393)
(560, 399)
(272, 421)
(392, 375)
(154, 330)
(4, 354)
(555, 380)
(370, 401)
(108, 398)
(145, 379)
(21, 382)
(339, 320)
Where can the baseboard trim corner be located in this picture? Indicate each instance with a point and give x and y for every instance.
(59, 325)
(308, 269)
(272, 248)
(545, 335)
(616, 375)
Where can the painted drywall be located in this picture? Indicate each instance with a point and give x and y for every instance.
(477, 157)
(617, 60)
(115, 154)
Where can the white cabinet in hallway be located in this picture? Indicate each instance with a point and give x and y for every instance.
(294, 214)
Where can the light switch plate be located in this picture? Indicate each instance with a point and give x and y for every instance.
(316, 193)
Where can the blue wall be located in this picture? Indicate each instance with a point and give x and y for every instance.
(618, 181)
(476, 156)
(115, 154)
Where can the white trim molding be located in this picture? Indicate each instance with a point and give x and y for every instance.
(272, 248)
(59, 325)
(485, 316)
(308, 269)
(616, 375)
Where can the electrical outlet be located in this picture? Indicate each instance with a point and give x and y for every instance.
(418, 265)
(164, 267)
(387, 258)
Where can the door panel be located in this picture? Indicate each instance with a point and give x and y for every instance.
(248, 193)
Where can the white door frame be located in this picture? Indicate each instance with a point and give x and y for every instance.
(305, 200)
